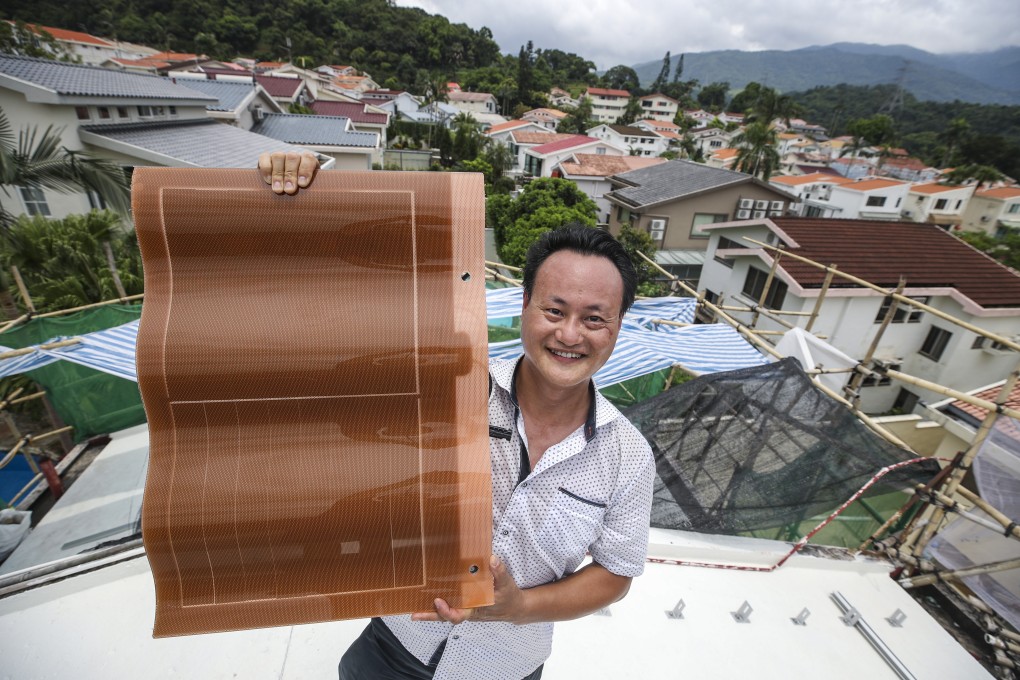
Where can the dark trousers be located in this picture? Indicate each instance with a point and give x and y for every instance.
(378, 655)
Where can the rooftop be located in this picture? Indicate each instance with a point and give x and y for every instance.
(797, 180)
(935, 188)
(599, 165)
(926, 255)
(509, 125)
(630, 130)
(673, 180)
(278, 86)
(356, 112)
(872, 184)
(607, 93)
(231, 94)
(562, 144)
(458, 96)
(315, 130)
(1000, 192)
(535, 137)
(71, 36)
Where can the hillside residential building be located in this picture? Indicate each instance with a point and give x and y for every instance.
(328, 135)
(854, 168)
(993, 211)
(562, 99)
(540, 159)
(501, 133)
(364, 117)
(131, 119)
(671, 131)
(940, 270)
(607, 105)
(638, 141)
(869, 199)
(473, 102)
(591, 173)
(711, 139)
(941, 204)
(813, 192)
(659, 107)
(521, 139)
(723, 158)
(241, 104)
(547, 118)
(908, 169)
(675, 201)
(91, 49)
(286, 90)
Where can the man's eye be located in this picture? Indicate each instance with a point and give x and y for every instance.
(594, 322)
(552, 311)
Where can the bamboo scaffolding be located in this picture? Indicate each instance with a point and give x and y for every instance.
(853, 387)
(948, 391)
(499, 277)
(13, 322)
(28, 350)
(990, 510)
(9, 399)
(831, 272)
(768, 285)
(1002, 644)
(951, 505)
(23, 289)
(1012, 344)
(995, 629)
(500, 265)
(956, 575)
(783, 312)
(129, 298)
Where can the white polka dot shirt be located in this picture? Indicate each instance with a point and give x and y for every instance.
(591, 492)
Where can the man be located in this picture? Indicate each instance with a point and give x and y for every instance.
(570, 475)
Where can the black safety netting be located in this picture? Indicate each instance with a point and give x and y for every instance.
(758, 448)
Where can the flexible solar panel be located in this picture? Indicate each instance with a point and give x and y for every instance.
(313, 368)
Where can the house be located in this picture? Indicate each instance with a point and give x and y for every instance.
(501, 132)
(675, 201)
(666, 128)
(711, 139)
(908, 169)
(940, 270)
(521, 139)
(539, 159)
(239, 103)
(607, 105)
(159, 63)
(854, 168)
(328, 135)
(591, 173)
(473, 102)
(286, 90)
(363, 117)
(941, 204)
(355, 84)
(638, 141)
(83, 47)
(659, 107)
(129, 118)
(869, 198)
(723, 158)
(561, 98)
(334, 71)
(993, 211)
(547, 118)
(802, 127)
(813, 192)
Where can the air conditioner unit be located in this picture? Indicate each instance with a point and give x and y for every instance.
(985, 218)
(746, 203)
(759, 214)
(777, 205)
(743, 214)
(656, 234)
(775, 213)
(657, 225)
(762, 205)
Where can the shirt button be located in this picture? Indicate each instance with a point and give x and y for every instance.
(524, 484)
(505, 532)
(456, 637)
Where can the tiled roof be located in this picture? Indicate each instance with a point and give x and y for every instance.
(991, 394)
(725, 154)
(607, 93)
(882, 251)
(598, 165)
(872, 184)
(1000, 192)
(673, 180)
(559, 145)
(934, 188)
(230, 94)
(458, 96)
(232, 72)
(278, 86)
(555, 113)
(509, 125)
(75, 36)
(659, 95)
(660, 124)
(535, 137)
(631, 130)
(74, 79)
(177, 56)
(905, 162)
(356, 112)
(797, 180)
(315, 130)
(202, 143)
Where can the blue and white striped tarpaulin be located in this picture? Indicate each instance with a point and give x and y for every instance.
(22, 364)
(111, 351)
(501, 303)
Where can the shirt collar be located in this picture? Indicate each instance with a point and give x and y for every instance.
(505, 375)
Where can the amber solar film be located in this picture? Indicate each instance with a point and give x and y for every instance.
(314, 373)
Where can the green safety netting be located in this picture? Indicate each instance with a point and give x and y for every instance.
(90, 401)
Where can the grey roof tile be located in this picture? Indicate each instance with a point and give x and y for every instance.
(201, 143)
(229, 93)
(673, 180)
(75, 79)
(317, 130)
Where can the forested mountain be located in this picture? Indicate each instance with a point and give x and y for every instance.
(992, 78)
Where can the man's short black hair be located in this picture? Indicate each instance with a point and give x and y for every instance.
(584, 241)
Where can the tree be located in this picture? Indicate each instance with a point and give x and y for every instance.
(982, 174)
(577, 120)
(38, 160)
(544, 204)
(467, 139)
(879, 130)
(636, 241)
(712, 97)
(660, 82)
(1005, 248)
(631, 113)
(18, 38)
(954, 135)
(621, 78)
(756, 150)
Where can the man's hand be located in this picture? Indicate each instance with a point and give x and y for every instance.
(286, 172)
(509, 605)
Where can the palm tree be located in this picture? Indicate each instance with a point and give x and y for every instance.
(955, 133)
(756, 150)
(40, 161)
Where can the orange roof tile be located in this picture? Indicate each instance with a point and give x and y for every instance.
(725, 154)
(872, 184)
(597, 165)
(175, 56)
(797, 180)
(555, 113)
(608, 93)
(534, 137)
(991, 394)
(74, 36)
(509, 125)
(934, 188)
(660, 124)
(1000, 192)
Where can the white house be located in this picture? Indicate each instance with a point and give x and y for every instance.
(540, 159)
(941, 204)
(638, 141)
(607, 105)
(940, 270)
(240, 103)
(547, 118)
(561, 98)
(523, 138)
(591, 173)
(659, 107)
(870, 198)
(993, 211)
(473, 102)
(711, 139)
(813, 192)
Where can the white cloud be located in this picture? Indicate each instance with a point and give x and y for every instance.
(630, 32)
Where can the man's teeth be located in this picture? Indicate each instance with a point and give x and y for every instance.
(568, 355)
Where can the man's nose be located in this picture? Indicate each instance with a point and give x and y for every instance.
(570, 332)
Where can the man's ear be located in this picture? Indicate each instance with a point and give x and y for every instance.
(527, 299)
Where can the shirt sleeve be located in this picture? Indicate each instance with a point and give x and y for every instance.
(623, 545)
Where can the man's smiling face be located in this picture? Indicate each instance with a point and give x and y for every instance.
(570, 323)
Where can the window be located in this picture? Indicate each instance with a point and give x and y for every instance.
(754, 284)
(122, 112)
(935, 344)
(701, 220)
(905, 401)
(144, 111)
(600, 151)
(35, 201)
(941, 203)
(173, 110)
(1013, 209)
(903, 313)
(82, 112)
(879, 380)
(958, 204)
(104, 112)
(981, 342)
(875, 201)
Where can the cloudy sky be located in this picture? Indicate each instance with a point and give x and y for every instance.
(611, 32)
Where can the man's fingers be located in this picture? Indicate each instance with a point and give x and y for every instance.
(448, 613)
(307, 168)
(287, 172)
(266, 167)
(425, 616)
(290, 170)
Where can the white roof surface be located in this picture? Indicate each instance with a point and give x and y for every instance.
(98, 623)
